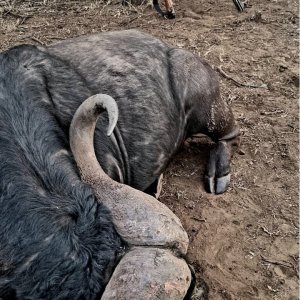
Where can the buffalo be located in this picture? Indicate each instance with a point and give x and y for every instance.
(74, 221)
(63, 236)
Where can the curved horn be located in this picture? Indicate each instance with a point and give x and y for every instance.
(139, 219)
(82, 131)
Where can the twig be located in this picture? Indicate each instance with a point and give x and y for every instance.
(128, 22)
(9, 12)
(278, 111)
(276, 262)
(37, 40)
(104, 6)
(264, 229)
(295, 225)
(237, 83)
(198, 219)
(55, 37)
(206, 10)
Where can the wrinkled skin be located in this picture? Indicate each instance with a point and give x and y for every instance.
(164, 95)
(152, 267)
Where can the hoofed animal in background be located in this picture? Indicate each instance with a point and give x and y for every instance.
(169, 13)
(58, 238)
(164, 95)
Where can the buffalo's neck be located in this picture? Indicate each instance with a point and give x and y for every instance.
(33, 146)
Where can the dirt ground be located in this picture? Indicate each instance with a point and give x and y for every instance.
(244, 243)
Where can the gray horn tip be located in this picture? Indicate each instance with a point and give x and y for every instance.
(110, 105)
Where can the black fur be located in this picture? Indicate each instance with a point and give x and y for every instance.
(56, 240)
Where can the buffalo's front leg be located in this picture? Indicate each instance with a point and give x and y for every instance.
(217, 173)
(170, 13)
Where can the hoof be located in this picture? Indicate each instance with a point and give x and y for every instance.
(222, 184)
(170, 14)
(217, 185)
(217, 176)
(149, 274)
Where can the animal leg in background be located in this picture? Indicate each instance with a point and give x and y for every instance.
(170, 12)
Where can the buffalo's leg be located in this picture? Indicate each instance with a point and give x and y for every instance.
(170, 12)
(149, 274)
(239, 5)
(197, 84)
(217, 174)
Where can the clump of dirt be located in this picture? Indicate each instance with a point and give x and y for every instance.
(244, 243)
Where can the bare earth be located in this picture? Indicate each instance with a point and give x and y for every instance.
(244, 243)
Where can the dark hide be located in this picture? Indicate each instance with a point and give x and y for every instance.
(56, 240)
(164, 95)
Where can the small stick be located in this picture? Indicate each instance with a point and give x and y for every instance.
(37, 40)
(275, 262)
(198, 219)
(8, 12)
(128, 22)
(237, 83)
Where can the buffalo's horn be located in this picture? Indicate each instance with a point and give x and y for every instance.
(140, 219)
(82, 131)
(151, 272)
